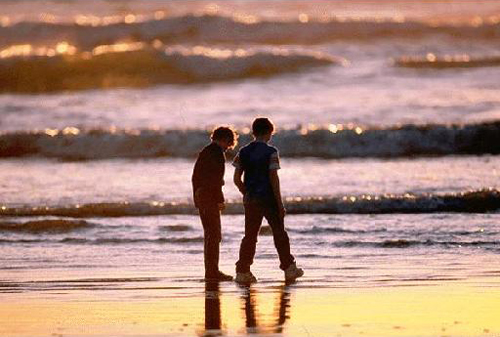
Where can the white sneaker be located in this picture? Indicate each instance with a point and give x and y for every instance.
(292, 272)
(245, 278)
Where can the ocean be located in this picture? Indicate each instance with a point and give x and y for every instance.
(388, 126)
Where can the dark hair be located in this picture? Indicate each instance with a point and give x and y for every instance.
(262, 126)
(225, 133)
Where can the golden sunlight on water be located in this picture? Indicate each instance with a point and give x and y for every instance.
(64, 48)
(96, 13)
(118, 48)
(208, 52)
(246, 19)
(4, 21)
(61, 48)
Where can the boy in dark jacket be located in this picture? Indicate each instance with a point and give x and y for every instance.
(259, 162)
(207, 180)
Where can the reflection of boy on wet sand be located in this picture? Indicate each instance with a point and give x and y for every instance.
(251, 313)
(207, 180)
(212, 308)
(213, 311)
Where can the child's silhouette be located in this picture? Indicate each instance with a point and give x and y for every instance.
(207, 180)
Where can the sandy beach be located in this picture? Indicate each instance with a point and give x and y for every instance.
(272, 308)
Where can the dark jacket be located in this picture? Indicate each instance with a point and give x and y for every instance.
(208, 176)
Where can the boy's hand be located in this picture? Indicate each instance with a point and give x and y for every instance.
(222, 206)
(281, 211)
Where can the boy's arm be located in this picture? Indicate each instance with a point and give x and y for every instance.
(237, 180)
(238, 172)
(275, 184)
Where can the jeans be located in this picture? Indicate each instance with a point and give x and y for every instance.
(210, 219)
(255, 211)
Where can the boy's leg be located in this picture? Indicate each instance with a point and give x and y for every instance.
(280, 236)
(253, 220)
(210, 219)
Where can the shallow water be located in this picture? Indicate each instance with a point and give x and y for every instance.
(336, 251)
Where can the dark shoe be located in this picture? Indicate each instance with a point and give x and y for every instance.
(245, 278)
(220, 276)
(292, 273)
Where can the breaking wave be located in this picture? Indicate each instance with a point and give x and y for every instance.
(175, 228)
(315, 230)
(432, 61)
(104, 241)
(229, 30)
(140, 66)
(480, 201)
(43, 226)
(333, 141)
(335, 230)
(401, 243)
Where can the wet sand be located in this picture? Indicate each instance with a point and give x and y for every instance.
(269, 308)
